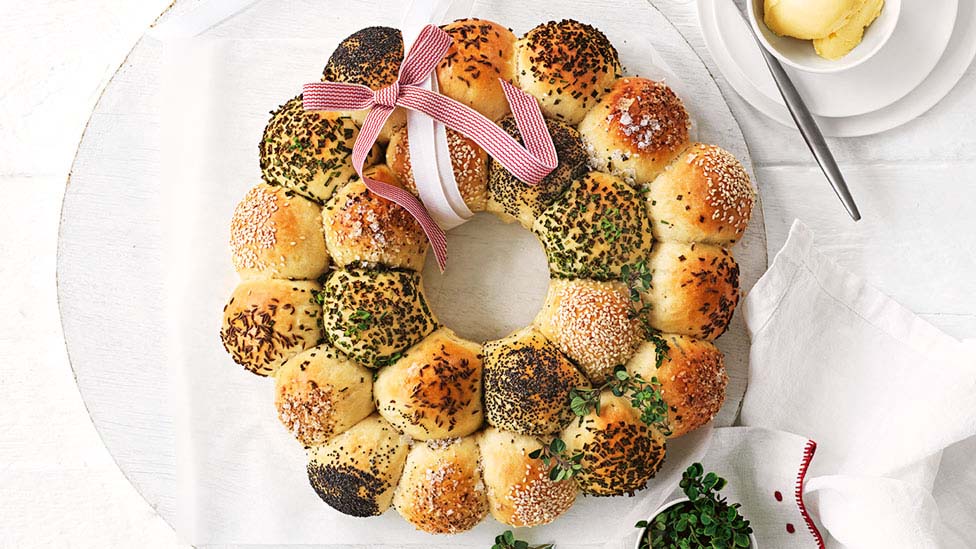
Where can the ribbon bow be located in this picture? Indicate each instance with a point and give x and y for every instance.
(529, 164)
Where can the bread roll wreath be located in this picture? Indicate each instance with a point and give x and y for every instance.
(397, 410)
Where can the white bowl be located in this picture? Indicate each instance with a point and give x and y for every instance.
(672, 503)
(800, 54)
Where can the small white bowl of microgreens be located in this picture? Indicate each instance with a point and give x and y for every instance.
(700, 519)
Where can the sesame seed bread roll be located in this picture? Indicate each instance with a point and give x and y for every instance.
(703, 196)
(320, 393)
(527, 384)
(620, 453)
(370, 57)
(441, 491)
(593, 323)
(483, 51)
(470, 163)
(594, 229)
(694, 289)
(373, 316)
(357, 471)
(636, 130)
(520, 493)
(309, 152)
(567, 66)
(692, 377)
(513, 200)
(364, 228)
(434, 391)
(274, 233)
(266, 322)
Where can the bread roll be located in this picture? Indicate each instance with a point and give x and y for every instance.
(363, 228)
(319, 394)
(434, 391)
(620, 453)
(309, 152)
(483, 51)
(441, 491)
(527, 384)
(514, 200)
(567, 66)
(636, 130)
(520, 493)
(356, 472)
(470, 164)
(692, 378)
(595, 228)
(593, 323)
(373, 316)
(694, 289)
(275, 233)
(370, 57)
(266, 322)
(703, 196)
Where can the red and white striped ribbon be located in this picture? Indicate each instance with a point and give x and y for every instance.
(530, 163)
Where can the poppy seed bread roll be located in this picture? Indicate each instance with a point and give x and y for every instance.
(703, 196)
(527, 384)
(636, 130)
(441, 490)
(514, 200)
(320, 393)
(275, 233)
(520, 493)
(266, 322)
(481, 53)
(356, 472)
(691, 375)
(567, 66)
(434, 390)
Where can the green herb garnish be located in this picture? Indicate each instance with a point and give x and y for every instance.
(644, 395)
(561, 465)
(507, 541)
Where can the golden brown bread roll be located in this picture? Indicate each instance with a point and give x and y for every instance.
(703, 196)
(520, 493)
(266, 322)
(370, 57)
(441, 491)
(620, 453)
(374, 315)
(692, 378)
(482, 52)
(513, 200)
(567, 66)
(527, 384)
(593, 323)
(357, 471)
(363, 228)
(470, 164)
(694, 289)
(594, 229)
(320, 393)
(434, 391)
(635, 130)
(275, 233)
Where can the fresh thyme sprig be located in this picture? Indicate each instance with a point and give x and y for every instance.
(507, 540)
(561, 464)
(645, 396)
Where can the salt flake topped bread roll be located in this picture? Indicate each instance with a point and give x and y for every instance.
(319, 394)
(434, 391)
(635, 130)
(520, 493)
(483, 51)
(692, 378)
(441, 491)
(357, 471)
(567, 66)
(266, 322)
(703, 196)
(275, 233)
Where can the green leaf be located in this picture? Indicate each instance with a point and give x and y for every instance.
(535, 453)
(557, 445)
(509, 537)
(741, 540)
(521, 544)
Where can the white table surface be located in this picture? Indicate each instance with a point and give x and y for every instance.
(916, 186)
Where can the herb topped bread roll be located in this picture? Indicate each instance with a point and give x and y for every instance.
(482, 52)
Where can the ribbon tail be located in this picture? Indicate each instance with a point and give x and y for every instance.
(409, 202)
